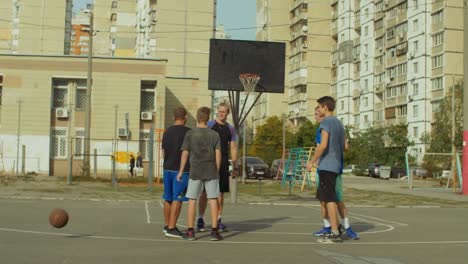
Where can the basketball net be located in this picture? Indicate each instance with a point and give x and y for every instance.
(249, 81)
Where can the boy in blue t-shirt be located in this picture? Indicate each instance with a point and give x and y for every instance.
(339, 195)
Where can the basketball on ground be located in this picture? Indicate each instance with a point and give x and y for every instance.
(58, 218)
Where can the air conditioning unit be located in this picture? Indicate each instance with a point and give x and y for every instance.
(411, 54)
(410, 98)
(123, 132)
(304, 46)
(401, 36)
(61, 112)
(380, 49)
(386, 2)
(365, 54)
(294, 34)
(146, 115)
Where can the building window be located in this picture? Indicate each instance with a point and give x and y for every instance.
(342, 37)
(415, 25)
(144, 143)
(438, 38)
(379, 6)
(114, 4)
(80, 95)
(438, 17)
(341, 71)
(378, 24)
(59, 143)
(366, 101)
(79, 143)
(415, 46)
(390, 33)
(402, 110)
(366, 119)
(415, 67)
(366, 85)
(366, 31)
(415, 4)
(415, 110)
(366, 11)
(147, 95)
(437, 61)
(415, 132)
(437, 83)
(342, 105)
(60, 92)
(114, 17)
(436, 106)
(415, 89)
(367, 65)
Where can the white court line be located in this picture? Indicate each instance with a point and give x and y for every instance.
(380, 219)
(356, 243)
(148, 216)
(161, 204)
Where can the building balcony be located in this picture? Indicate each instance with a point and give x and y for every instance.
(379, 32)
(390, 101)
(379, 69)
(402, 99)
(401, 120)
(379, 123)
(438, 71)
(357, 4)
(402, 17)
(390, 122)
(334, 29)
(436, 5)
(437, 27)
(391, 42)
(402, 78)
(356, 93)
(298, 49)
(298, 81)
(357, 23)
(333, 2)
(378, 106)
(300, 97)
(379, 88)
(298, 18)
(356, 109)
(298, 65)
(437, 94)
(297, 3)
(379, 15)
(438, 49)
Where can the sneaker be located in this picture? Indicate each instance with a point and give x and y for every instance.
(330, 239)
(174, 233)
(341, 229)
(324, 231)
(222, 227)
(165, 229)
(190, 235)
(351, 234)
(215, 236)
(200, 225)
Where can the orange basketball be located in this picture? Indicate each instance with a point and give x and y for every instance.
(58, 218)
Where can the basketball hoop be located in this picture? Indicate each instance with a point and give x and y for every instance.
(249, 81)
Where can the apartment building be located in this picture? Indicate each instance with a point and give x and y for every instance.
(393, 61)
(35, 27)
(80, 33)
(42, 104)
(304, 26)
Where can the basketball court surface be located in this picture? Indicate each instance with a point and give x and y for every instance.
(101, 231)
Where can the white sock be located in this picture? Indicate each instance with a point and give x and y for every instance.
(345, 222)
(326, 223)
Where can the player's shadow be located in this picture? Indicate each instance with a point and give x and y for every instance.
(362, 226)
(245, 226)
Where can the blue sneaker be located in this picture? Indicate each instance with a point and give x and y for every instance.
(324, 231)
(222, 227)
(351, 234)
(200, 225)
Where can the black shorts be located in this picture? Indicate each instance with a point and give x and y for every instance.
(224, 177)
(326, 190)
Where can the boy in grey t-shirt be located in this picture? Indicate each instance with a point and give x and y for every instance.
(203, 146)
(329, 154)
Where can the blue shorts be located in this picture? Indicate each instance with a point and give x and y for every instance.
(173, 189)
(338, 186)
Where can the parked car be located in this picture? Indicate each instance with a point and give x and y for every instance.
(397, 172)
(255, 167)
(419, 172)
(373, 170)
(349, 169)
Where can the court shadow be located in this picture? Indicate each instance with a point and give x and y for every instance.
(251, 225)
(362, 226)
(79, 236)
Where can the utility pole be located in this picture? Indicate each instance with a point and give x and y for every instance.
(89, 85)
(465, 98)
(454, 150)
(18, 136)
(215, 4)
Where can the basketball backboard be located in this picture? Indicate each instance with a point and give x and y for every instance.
(230, 58)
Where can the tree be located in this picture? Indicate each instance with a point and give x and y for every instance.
(305, 135)
(268, 141)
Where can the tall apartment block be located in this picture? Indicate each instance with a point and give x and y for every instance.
(304, 26)
(35, 27)
(394, 60)
(79, 42)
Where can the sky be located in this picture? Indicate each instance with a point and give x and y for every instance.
(230, 13)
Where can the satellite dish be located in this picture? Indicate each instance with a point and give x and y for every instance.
(305, 28)
(296, 110)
